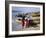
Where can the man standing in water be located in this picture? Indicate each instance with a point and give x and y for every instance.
(24, 21)
(23, 18)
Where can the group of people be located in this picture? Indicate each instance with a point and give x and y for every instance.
(26, 23)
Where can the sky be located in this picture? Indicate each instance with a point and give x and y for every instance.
(16, 10)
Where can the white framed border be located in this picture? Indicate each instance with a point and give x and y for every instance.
(25, 32)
